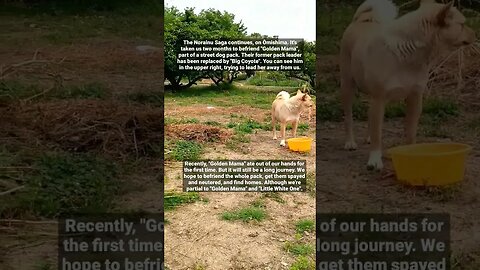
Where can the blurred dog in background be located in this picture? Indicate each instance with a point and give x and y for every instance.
(389, 58)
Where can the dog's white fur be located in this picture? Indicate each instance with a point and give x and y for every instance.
(380, 11)
(286, 109)
(388, 58)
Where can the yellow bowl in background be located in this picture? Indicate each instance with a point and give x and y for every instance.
(302, 144)
(430, 164)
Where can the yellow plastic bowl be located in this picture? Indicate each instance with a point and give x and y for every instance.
(302, 144)
(430, 164)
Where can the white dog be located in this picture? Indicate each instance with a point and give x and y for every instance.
(286, 109)
(388, 58)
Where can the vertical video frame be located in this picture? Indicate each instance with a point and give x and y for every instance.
(239, 134)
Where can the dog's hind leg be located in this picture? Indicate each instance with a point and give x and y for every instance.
(368, 139)
(347, 94)
(414, 110)
(376, 114)
(294, 128)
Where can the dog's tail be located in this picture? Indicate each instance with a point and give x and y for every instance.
(379, 11)
(283, 95)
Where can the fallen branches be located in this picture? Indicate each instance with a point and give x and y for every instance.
(113, 128)
(5, 71)
(12, 68)
(23, 221)
(11, 190)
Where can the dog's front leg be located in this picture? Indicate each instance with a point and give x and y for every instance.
(294, 128)
(414, 110)
(376, 113)
(283, 127)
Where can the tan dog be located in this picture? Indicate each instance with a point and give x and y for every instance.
(286, 109)
(388, 58)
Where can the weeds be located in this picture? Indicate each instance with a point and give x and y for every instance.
(183, 150)
(152, 98)
(65, 184)
(173, 200)
(43, 265)
(443, 194)
(213, 123)
(305, 225)
(259, 203)
(440, 108)
(474, 124)
(171, 121)
(465, 261)
(246, 214)
(303, 263)
(246, 127)
(276, 196)
(298, 249)
(93, 90)
(311, 183)
(236, 143)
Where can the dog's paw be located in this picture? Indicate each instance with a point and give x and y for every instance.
(282, 143)
(350, 145)
(375, 161)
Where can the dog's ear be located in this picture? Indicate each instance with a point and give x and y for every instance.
(304, 97)
(443, 14)
(299, 92)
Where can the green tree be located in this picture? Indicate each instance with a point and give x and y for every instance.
(308, 73)
(209, 24)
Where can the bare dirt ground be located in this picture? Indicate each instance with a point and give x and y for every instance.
(197, 238)
(345, 185)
